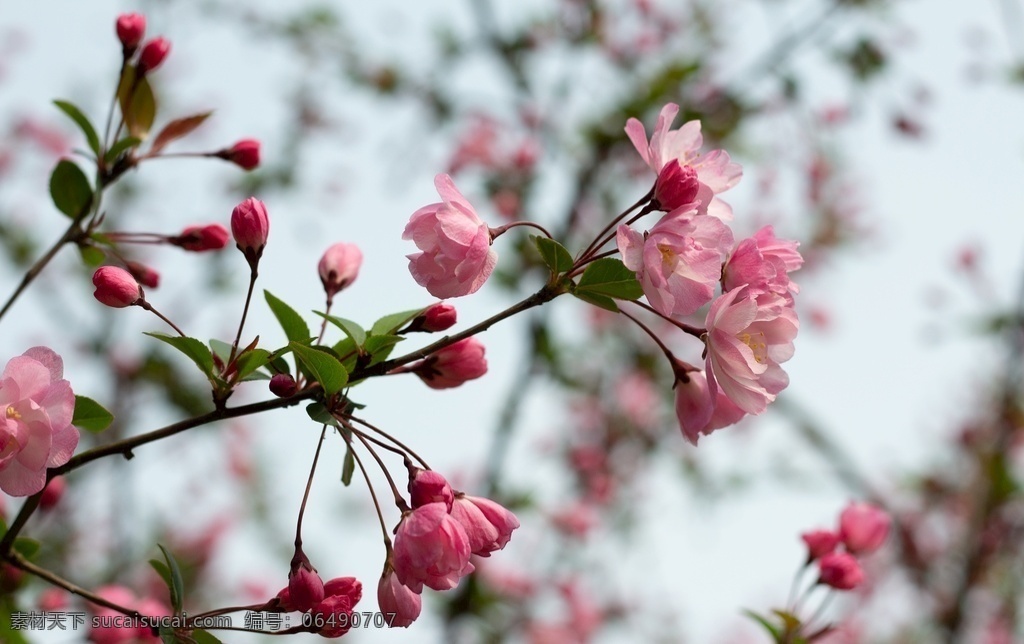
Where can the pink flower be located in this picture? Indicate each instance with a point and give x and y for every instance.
(339, 267)
(245, 154)
(52, 600)
(400, 605)
(130, 29)
(456, 257)
(488, 525)
(431, 549)
(153, 54)
(819, 543)
(699, 413)
(202, 238)
(747, 338)
(305, 588)
(452, 365)
(863, 527)
(840, 570)
(250, 226)
(679, 261)
(113, 627)
(36, 406)
(676, 187)
(115, 287)
(427, 486)
(764, 263)
(715, 170)
(439, 317)
(335, 611)
(145, 275)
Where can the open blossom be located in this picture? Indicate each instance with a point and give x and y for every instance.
(394, 597)
(679, 261)
(36, 406)
(431, 548)
(699, 413)
(339, 266)
(763, 262)
(488, 525)
(452, 365)
(715, 170)
(456, 257)
(747, 339)
(863, 527)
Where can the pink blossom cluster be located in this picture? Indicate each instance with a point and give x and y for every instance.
(862, 530)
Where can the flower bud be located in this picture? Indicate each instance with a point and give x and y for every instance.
(305, 588)
(396, 599)
(439, 317)
(819, 543)
(863, 527)
(452, 365)
(245, 154)
(201, 238)
(153, 54)
(427, 486)
(676, 186)
(143, 274)
(116, 287)
(339, 267)
(131, 27)
(250, 227)
(840, 570)
(282, 385)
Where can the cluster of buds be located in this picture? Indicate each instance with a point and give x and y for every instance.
(131, 28)
(862, 529)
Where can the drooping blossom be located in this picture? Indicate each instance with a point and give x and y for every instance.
(863, 527)
(305, 588)
(679, 261)
(399, 603)
(427, 486)
(819, 543)
(339, 267)
(456, 256)
(699, 412)
(747, 339)
(131, 27)
(431, 548)
(115, 287)
(840, 570)
(153, 54)
(452, 365)
(763, 262)
(715, 170)
(250, 226)
(36, 408)
(201, 238)
(334, 612)
(488, 525)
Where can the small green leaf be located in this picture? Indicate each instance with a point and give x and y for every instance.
(119, 147)
(176, 585)
(771, 628)
(90, 415)
(220, 349)
(83, 123)
(379, 347)
(204, 637)
(555, 256)
(317, 412)
(325, 368)
(138, 105)
(347, 352)
(26, 547)
(295, 328)
(177, 129)
(250, 361)
(393, 322)
(350, 328)
(610, 277)
(70, 189)
(348, 467)
(601, 301)
(195, 350)
(92, 256)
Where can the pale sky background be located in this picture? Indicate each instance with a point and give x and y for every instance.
(889, 381)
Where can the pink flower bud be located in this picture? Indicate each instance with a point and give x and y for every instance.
(116, 287)
(143, 274)
(488, 525)
(676, 186)
(819, 543)
(52, 493)
(453, 365)
(250, 227)
(339, 267)
(201, 238)
(131, 27)
(52, 600)
(395, 598)
(439, 317)
(153, 54)
(305, 588)
(245, 154)
(863, 527)
(840, 570)
(335, 611)
(427, 486)
(282, 385)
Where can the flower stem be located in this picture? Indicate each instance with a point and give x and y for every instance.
(253, 274)
(309, 485)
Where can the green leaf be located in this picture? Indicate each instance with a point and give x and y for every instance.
(295, 328)
(393, 322)
(601, 301)
(70, 189)
(250, 361)
(610, 277)
(90, 415)
(317, 412)
(555, 256)
(220, 349)
(771, 628)
(174, 579)
(204, 637)
(177, 129)
(347, 352)
(138, 105)
(26, 547)
(325, 368)
(350, 328)
(83, 123)
(379, 347)
(92, 256)
(195, 350)
(348, 467)
(119, 147)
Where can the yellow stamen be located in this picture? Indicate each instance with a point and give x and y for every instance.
(13, 414)
(757, 344)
